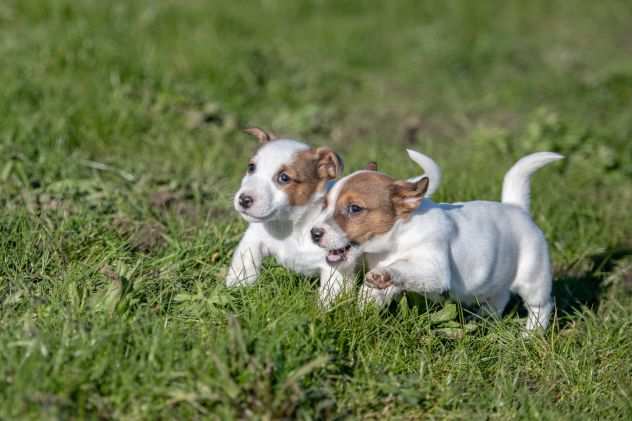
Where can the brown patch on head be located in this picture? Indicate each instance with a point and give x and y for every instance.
(371, 191)
(308, 173)
(370, 203)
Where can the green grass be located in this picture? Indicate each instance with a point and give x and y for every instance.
(120, 151)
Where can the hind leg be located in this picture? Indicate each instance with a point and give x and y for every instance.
(495, 305)
(539, 315)
(533, 284)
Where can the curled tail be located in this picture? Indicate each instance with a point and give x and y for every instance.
(431, 170)
(516, 186)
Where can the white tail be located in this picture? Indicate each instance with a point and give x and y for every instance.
(516, 186)
(431, 170)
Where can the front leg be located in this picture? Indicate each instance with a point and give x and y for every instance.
(429, 276)
(332, 284)
(380, 297)
(246, 262)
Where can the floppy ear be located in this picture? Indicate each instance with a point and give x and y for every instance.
(261, 135)
(371, 166)
(330, 164)
(407, 196)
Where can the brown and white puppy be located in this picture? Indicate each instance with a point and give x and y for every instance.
(364, 206)
(281, 195)
(372, 203)
(477, 251)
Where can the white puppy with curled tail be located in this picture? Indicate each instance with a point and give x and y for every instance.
(478, 252)
(281, 196)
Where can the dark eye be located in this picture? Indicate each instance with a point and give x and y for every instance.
(283, 178)
(354, 209)
(251, 168)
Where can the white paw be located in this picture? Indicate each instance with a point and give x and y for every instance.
(378, 278)
(371, 296)
(234, 279)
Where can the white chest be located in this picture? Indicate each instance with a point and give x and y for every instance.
(298, 254)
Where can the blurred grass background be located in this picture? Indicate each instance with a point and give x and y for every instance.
(120, 150)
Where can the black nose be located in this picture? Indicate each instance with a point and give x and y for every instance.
(245, 201)
(317, 234)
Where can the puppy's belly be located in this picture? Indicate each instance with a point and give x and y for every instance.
(482, 279)
(487, 252)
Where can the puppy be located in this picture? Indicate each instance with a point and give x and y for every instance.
(477, 251)
(281, 195)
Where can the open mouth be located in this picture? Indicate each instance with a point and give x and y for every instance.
(338, 255)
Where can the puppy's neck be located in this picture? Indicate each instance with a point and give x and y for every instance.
(383, 243)
(387, 242)
(296, 218)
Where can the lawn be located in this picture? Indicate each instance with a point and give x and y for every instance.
(120, 150)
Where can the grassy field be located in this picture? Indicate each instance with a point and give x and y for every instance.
(120, 151)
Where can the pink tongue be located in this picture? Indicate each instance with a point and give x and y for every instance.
(334, 257)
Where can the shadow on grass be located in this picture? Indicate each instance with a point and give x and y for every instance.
(574, 291)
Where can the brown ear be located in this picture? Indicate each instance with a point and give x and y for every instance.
(371, 166)
(330, 165)
(261, 135)
(407, 196)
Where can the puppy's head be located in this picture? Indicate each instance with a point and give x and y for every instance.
(282, 176)
(360, 208)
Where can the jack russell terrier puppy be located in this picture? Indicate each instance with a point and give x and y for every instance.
(281, 196)
(477, 251)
